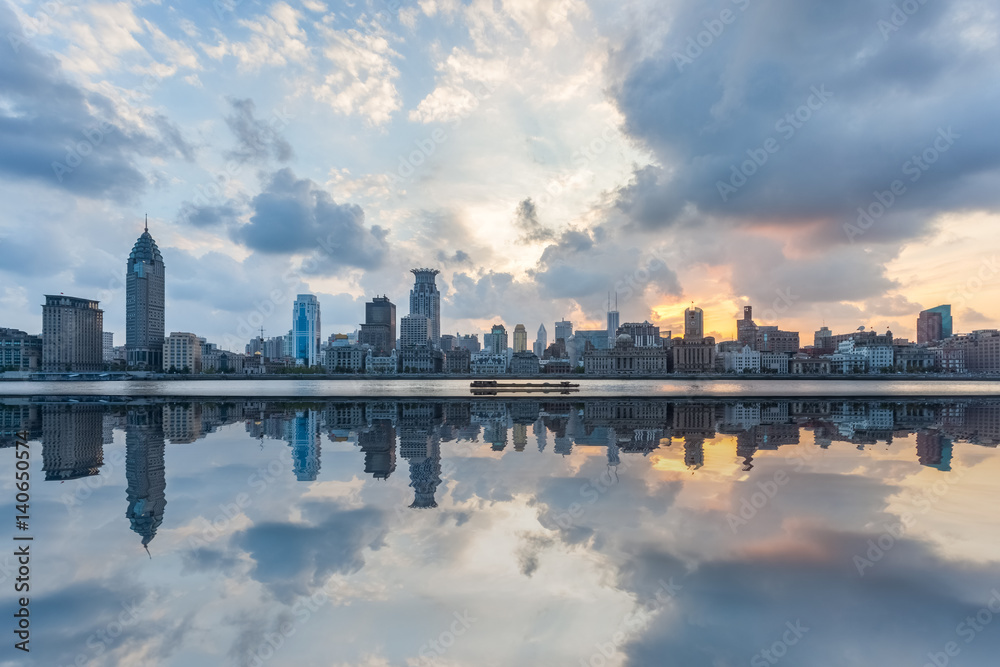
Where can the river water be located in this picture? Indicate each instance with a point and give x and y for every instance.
(665, 529)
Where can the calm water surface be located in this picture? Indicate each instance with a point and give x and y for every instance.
(554, 530)
(460, 388)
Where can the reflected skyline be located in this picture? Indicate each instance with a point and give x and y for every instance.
(513, 509)
(73, 433)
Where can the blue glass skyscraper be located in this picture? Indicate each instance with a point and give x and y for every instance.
(306, 330)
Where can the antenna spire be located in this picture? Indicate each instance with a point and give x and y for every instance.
(147, 222)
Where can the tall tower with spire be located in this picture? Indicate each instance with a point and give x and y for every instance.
(145, 471)
(144, 304)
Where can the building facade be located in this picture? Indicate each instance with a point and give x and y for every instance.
(564, 329)
(498, 340)
(144, 304)
(643, 334)
(694, 352)
(182, 352)
(379, 328)
(19, 350)
(625, 358)
(524, 363)
(414, 330)
(457, 361)
(381, 365)
(488, 363)
(930, 327)
(306, 330)
(520, 339)
(345, 358)
(421, 359)
(72, 334)
(425, 299)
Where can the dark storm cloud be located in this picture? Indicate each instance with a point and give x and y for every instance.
(209, 215)
(726, 611)
(61, 135)
(257, 140)
(296, 559)
(295, 215)
(586, 263)
(526, 222)
(459, 257)
(845, 106)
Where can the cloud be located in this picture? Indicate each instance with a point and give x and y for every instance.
(845, 108)
(296, 215)
(257, 141)
(360, 80)
(295, 559)
(209, 215)
(526, 221)
(56, 133)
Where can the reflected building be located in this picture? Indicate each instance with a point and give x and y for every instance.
(934, 450)
(72, 441)
(378, 442)
(420, 446)
(145, 471)
(302, 435)
(18, 415)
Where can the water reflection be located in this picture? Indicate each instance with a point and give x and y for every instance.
(602, 531)
(73, 432)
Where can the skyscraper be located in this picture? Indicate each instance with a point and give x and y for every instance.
(72, 334)
(564, 329)
(541, 341)
(929, 327)
(520, 339)
(694, 323)
(306, 330)
(144, 304)
(934, 324)
(613, 321)
(425, 299)
(946, 323)
(379, 328)
(498, 339)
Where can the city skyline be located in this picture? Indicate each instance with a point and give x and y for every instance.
(573, 152)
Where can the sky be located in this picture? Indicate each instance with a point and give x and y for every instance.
(826, 163)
